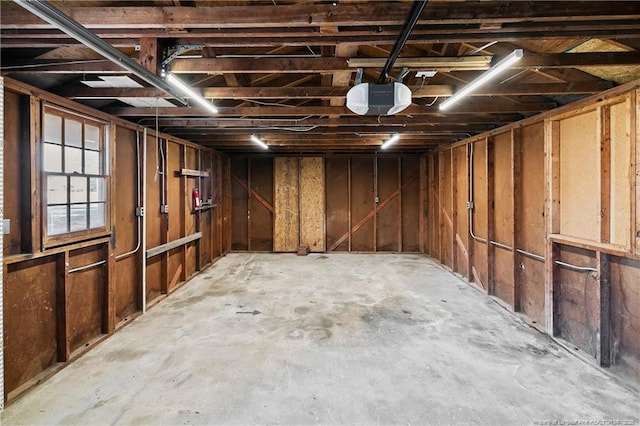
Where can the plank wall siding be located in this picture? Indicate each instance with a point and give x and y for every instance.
(561, 188)
(52, 313)
(551, 193)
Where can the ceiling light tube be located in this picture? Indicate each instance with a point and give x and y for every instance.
(512, 58)
(393, 139)
(64, 23)
(190, 93)
(259, 142)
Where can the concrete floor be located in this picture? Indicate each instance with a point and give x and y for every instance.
(340, 339)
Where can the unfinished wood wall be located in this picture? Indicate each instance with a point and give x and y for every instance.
(544, 216)
(359, 203)
(60, 301)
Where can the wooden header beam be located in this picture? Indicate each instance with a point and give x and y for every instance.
(305, 15)
(426, 91)
(213, 66)
(304, 111)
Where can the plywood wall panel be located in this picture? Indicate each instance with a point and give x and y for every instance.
(531, 227)
(155, 231)
(625, 314)
(225, 203)
(620, 191)
(446, 209)
(480, 211)
(152, 199)
(207, 217)
(411, 209)
(262, 219)
(287, 217)
(461, 216)
(13, 174)
(127, 283)
(30, 318)
(189, 217)
(577, 301)
(192, 162)
(312, 203)
(239, 203)
(337, 184)
(362, 204)
(206, 254)
(433, 217)
(580, 184)
(127, 270)
(503, 217)
(388, 219)
(177, 211)
(154, 279)
(86, 292)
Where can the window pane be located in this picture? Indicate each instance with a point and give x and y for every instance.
(92, 162)
(91, 137)
(72, 160)
(96, 189)
(56, 220)
(72, 133)
(52, 128)
(96, 215)
(52, 158)
(78, 217)
(57, 190)
(78, 190)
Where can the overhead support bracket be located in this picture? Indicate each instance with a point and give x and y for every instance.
(403, 74)
(412, 19)
(175, 51)
(359, 73)
(64, 23)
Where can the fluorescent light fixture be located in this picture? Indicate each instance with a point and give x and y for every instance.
(259, 142)
(190, 93)
(512, 58)
(64, 23)
(393, 139)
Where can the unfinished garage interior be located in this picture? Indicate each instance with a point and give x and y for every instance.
(336, 212)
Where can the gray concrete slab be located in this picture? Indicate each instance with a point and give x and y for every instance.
(340, 339)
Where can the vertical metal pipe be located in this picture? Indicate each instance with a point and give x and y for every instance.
(1, 247)
(144, 221)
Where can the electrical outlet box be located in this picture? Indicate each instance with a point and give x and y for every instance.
(6, 226)
(164, 209)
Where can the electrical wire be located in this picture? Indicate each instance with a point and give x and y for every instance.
(18, 67)
(269, 103)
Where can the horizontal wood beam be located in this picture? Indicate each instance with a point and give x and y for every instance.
(329, 142)
(385, 120)
(213, 66)
(296, 65)
(570, 60)
(304, 111)
(305, 15)
(313, 130)
(426, 91)
(128, 38)
(173, 244)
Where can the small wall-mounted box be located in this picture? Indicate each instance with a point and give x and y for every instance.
(6, 226)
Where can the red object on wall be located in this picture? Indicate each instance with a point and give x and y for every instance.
(196, 199)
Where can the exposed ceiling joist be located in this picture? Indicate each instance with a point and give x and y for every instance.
(284, 69)
(343, 14)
